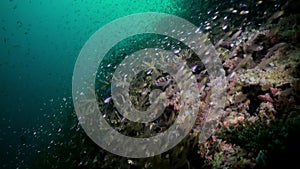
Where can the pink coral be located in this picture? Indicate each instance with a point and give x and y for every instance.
(265, 97)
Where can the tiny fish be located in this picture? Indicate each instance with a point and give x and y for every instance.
(107, 99)
(194, 68)
(275, 16)
(235, 35)
(256, 47)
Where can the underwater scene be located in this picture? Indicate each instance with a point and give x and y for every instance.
(149, 84)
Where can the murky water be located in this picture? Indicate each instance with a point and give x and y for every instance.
(40, 42)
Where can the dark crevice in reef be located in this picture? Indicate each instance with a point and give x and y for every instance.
(253, 91)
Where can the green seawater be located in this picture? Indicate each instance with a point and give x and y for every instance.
(40, 41)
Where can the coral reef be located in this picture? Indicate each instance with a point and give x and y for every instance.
(261, 116)
(262, 109)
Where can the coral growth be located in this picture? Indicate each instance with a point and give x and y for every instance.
(259, 122)
(262, 109)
